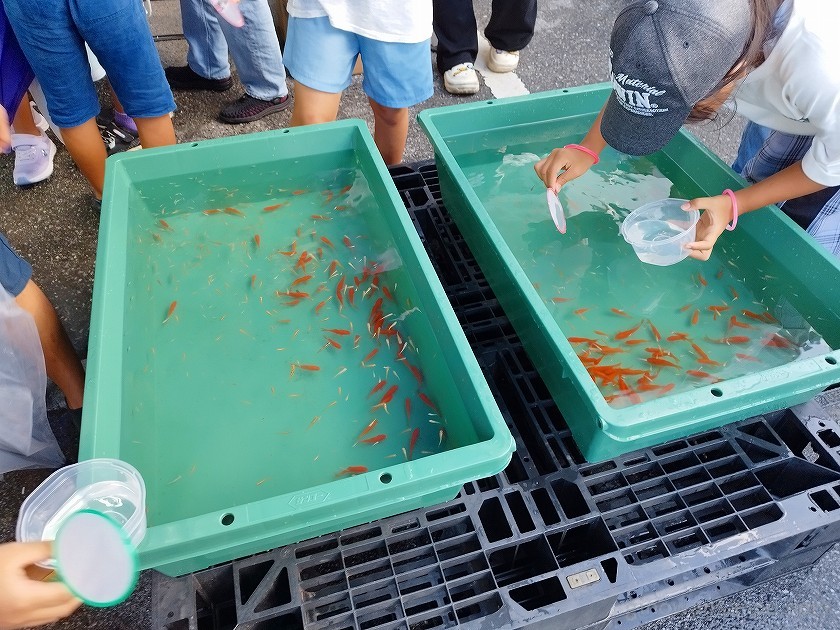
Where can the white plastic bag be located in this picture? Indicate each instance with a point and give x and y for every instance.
(26, 440)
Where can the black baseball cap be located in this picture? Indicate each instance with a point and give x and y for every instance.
(665, 56)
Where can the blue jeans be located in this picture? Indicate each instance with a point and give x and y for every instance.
(752, 140)
(254, 47)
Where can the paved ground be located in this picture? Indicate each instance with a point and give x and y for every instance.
(54, 224)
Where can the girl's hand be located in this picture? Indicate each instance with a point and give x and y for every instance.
(572, 162)
(25, 602)
(717, 212)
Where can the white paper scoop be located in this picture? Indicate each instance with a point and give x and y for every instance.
(95, 559)
(556, 210)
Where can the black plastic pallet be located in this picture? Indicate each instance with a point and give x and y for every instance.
(552, 541)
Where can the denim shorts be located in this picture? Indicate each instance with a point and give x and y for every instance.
(52, 34)
(15, 272)
(322, 57)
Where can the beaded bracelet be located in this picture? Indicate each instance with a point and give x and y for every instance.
(731, 196)
(588, 152)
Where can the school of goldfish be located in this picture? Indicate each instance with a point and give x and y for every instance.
(332, 282)
(639, 362)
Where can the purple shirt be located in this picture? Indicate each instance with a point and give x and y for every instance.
(15, 73)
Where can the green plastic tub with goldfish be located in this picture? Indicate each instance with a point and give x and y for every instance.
(271, 348)
(634, 354)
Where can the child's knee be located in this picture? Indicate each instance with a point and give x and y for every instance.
(389, 115)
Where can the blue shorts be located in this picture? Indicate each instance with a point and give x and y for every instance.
(15, 272)
(322, 57)
(52, 34)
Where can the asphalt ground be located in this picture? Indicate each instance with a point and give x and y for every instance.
(54, 225)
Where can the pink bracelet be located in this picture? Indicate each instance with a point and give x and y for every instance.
(732, 198)
(588, 152)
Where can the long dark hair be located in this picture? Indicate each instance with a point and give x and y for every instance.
(763, 12)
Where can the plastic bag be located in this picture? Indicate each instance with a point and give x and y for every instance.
(26, 440)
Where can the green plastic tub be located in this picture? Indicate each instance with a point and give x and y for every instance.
(271, 348)
(634, 354)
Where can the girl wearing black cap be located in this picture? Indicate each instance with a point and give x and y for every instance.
(677, 61)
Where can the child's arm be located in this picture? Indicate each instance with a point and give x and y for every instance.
(573, 162)
(5, 132)
(25, 602)
(789, 183)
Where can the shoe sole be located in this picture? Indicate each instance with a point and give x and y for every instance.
(197, 88)
(462, 91)
(272, 109)
(500, 69)
(45, 174)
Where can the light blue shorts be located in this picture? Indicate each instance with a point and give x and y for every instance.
(322, 57)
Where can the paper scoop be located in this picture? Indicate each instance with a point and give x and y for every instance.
(556, 210)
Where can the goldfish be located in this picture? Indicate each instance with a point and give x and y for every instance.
(695, 317)
(427, 401)
(376, 388)
(352, 470)
(171, 310)
(413, 442)
(164, 225)
(698, 374)
(661, 362)
(376, 439)
(386, 397)
(730, 340)
(579, 312)
(234, 212)
(274, 207)
(619, 312)
(626, 333)
(370, 355)
(301, 280)
(347, 242)
(560, 300)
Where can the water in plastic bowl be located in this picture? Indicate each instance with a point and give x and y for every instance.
(660, 230)
(107, 486)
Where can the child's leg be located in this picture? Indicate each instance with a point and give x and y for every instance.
(62, 362)
(313, 106)
(24, 122)
(86, 148)
(397, 76)
(321, 59)
(390, 130)
(155, 132)
(132, 65)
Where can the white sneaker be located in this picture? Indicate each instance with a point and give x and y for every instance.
(462, 79)
(33, 158)
(503, 60)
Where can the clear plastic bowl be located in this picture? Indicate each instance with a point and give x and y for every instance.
(659, 231)
(108, 486)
